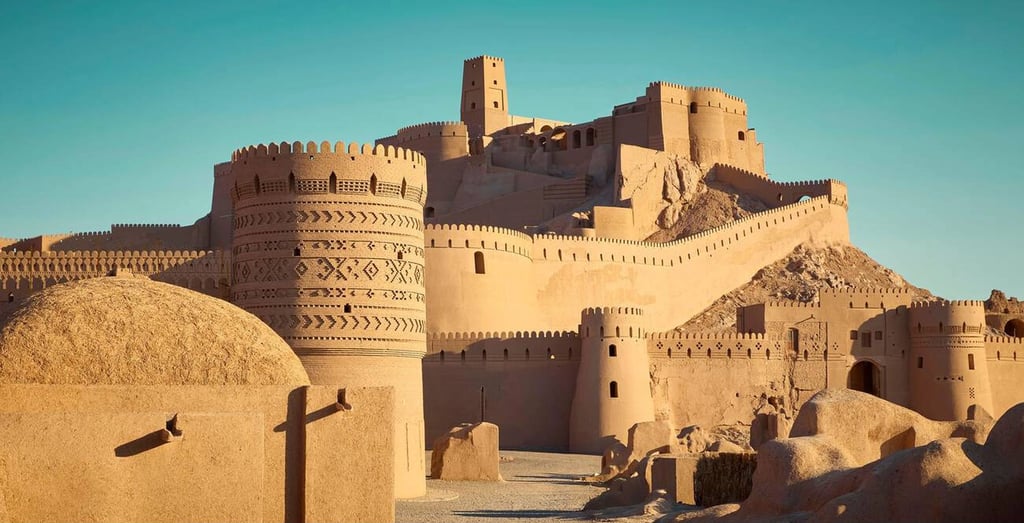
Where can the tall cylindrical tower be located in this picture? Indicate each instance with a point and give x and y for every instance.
(613, 384)
(948, 371)
(328, 251)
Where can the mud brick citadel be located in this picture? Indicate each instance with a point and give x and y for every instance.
(499, 266)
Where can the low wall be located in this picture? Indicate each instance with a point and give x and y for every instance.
(243, 454)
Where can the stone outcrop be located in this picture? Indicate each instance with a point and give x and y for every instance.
(468, 452)
(828, 474)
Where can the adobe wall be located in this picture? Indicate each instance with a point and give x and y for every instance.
(1005, 357)
(328, 251)
(542, 279)
(222, 215)
(123, 237)
(524, 379)
(446, 148)
(245, 453)
(25, 273)
(778, 193)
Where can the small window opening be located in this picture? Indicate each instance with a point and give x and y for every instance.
(348, 308)
(373, 184)
(865, 339)
(333, 183)
(878, 335)
(10, 297)
(472, 105)
(504, 354)
(920, 362)
(550, 356)
(613, 389)
(970, 361)
(428, 212)
(527, 353)
(591, 136)
(478, 262)
(742, 136)
(256, 184)
(805, 354)
(483, 354)
(463, 355)
(854, 335)
(693, 107)
(442, 355)
(495, 104)
(612, 351)
(298, 251)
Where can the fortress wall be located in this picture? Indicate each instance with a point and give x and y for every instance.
(570, 273)
(445, 145)
(1005, 357)
(221, 212)
(776, 193)
(755, 367)
(486, 280)
(25, 273)
(528, 395)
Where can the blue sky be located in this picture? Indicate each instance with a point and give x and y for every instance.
(116, 112)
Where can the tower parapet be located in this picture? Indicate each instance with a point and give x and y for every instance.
(484, 95)
(613, 390)
(948, 368)
(328, 251)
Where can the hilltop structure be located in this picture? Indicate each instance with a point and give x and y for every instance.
(521, 288)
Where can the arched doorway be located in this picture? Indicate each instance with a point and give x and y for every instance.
(1014, 327)
(866, 377)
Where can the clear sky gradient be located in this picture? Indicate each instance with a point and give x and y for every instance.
(115, 112)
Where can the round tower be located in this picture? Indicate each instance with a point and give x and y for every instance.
(613, 384)
(707, 126)
(947, 367)
(328, 251)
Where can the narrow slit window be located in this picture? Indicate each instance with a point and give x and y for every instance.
(613, 389)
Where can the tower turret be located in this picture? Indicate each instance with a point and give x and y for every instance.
(948, 370)
(328, 251)
(613, 386)
(484, 95)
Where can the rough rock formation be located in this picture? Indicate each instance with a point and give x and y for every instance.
(828, 474)
(135, 331)
(998, 302)
(467, 452)
(799, 277)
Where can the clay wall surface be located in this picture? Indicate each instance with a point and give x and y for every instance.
(1005, 357)
(778, 193)
(222, 214)
(445, 145)
(540, 280)
(948, 363)
(484, 104)
(123, 237)
(245, 453)
(25, 273)
(527, 391)
(328, 251)
(711, 379)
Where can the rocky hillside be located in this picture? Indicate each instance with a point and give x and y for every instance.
(998, 303)
(798, 277)
(710, 205)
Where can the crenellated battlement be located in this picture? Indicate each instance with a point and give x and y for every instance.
(424, 129)
(510, 335)
(1003, 340)
(274, 150)
(723, 336)
(771, 191)
(604, 311)
(788, 304)
(99, 255)
(485, 57)
(144, 226)
(681, 87)
(865, 290)
(945, 304)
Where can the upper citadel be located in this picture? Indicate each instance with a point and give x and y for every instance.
(501, 266)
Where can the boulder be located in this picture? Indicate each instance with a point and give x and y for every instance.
(468, 452)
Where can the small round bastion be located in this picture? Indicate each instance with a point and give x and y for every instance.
(135, 331)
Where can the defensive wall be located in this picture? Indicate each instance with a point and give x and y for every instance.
(446, 148)
(521, 381)
(544, 279)
(121, 237)
(25, 273)
(1005, 355)
(778, 193)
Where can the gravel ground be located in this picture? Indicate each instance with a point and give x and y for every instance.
(538, 487)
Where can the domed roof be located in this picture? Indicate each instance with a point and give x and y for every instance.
(118, 331)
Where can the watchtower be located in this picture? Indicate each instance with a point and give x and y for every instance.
(484, 95)
(613, 386)
(328, 251)
(947, 367)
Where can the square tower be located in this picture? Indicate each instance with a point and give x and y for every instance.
(484, 95)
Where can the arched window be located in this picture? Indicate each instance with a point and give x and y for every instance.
(333, 183)
(576, 139)
(373, 184)
(689, 353)
(793, 340)
(591, 136)
(10, 297)
(505, 354)
(495, 104)
(404, 187)
(742, 136)
(256, 184)
(478, 262)
(612, 351)
(483, 354)
(970, 361)
(693, 107)
(617, 334)
(463, 356)
(298, 251)
(805, 354)
(550, 356)
(527, 352)
(291, 182)
(613, 389)
(442, 355)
